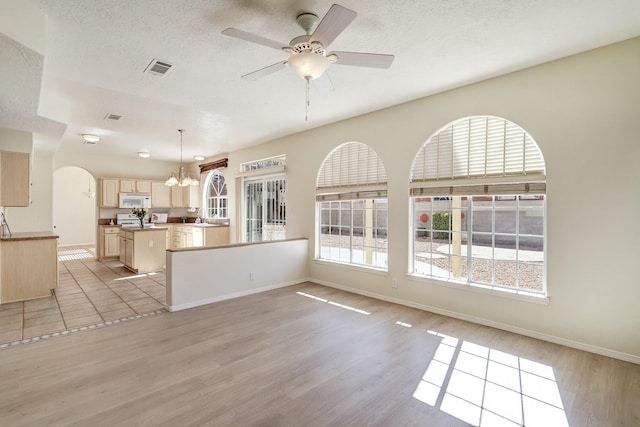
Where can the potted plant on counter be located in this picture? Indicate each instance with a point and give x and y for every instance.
(140, 213)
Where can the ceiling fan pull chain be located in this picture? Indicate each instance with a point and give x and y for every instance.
(306, 108)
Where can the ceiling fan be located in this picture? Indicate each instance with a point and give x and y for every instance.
(308, 56)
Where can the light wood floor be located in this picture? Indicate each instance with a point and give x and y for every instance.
(309, 355)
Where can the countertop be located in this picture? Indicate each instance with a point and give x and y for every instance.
(29, 235)
(164, 225)
(138, 229)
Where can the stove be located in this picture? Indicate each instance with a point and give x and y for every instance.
(130, 220)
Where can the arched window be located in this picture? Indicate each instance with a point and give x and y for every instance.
(478, 194)
(216, 201)
(351, 199)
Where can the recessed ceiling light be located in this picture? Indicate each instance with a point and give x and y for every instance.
(144, 154)
(198, 157)
(89, 138)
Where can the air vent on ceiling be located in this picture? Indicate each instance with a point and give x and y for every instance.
(158, 68)
(110, 116)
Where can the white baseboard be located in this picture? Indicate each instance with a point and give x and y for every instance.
(205, 301)
(505, 327)
(72, 245)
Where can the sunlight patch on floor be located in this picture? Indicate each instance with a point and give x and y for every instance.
(336, 304)
(486, 387)
(73, 254)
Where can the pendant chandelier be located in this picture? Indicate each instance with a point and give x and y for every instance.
(183, 179)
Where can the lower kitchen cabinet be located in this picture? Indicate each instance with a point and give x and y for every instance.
(186, 236)
(189, 236)
(143, 250)
(111, 241)
(218, 235)
(108, 241)
(28, 266)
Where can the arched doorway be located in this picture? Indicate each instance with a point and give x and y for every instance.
(74, 206)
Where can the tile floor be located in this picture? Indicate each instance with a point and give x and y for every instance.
(90, 293)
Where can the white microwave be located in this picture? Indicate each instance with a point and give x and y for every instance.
(134, 200)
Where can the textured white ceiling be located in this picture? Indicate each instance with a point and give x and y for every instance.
(97, 51)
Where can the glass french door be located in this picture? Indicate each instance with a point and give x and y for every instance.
(265, 209)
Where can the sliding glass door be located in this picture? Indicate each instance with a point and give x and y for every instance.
(265, 209)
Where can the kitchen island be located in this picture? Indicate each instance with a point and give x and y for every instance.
(28, 265)
(143, 250)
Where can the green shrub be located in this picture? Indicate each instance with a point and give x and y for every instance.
(441, 221)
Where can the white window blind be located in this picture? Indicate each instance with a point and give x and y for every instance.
(476, 148)
(353, 169)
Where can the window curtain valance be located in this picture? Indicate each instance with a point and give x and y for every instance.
(217, 164)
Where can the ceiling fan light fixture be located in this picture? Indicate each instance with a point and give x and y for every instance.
(308, 64)
(332, 58)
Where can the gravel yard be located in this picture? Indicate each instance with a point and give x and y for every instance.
(504, 270)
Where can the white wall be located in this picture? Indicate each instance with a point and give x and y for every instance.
(16, 140)
(114, 167)
(205, 275)
(74, 212)
(36, 216)
(584, 113)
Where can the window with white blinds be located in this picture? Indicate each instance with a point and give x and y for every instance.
(474, 150)
(352, 208)
(351, 171)
(478, 194)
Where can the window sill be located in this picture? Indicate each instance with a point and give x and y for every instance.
(485, 290)
(355, 267)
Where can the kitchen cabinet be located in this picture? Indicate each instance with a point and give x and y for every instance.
(144, 249)
(108, 242)
(192, 197)
(127, 185)
(160, 195)
(143, 186)
(177, 196)
(15, 188)
(28, 265)
(169, 236)
(189, 236)
(185, 197)
(109, 188)
(182, 237)
(123, 249)
(135, 186)
(216, 235)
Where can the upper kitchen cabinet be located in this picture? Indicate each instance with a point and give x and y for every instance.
(177, 197)
(193, 197)
(109, 188)
(185, 197)
(134, 186)
(160, 195)
(143, 186)
(15, 188)
(127, 185)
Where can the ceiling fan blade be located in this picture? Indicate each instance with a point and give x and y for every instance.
(253, 38)
(323, 83)
(358, 59)
(255, 75)
(333, 23)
